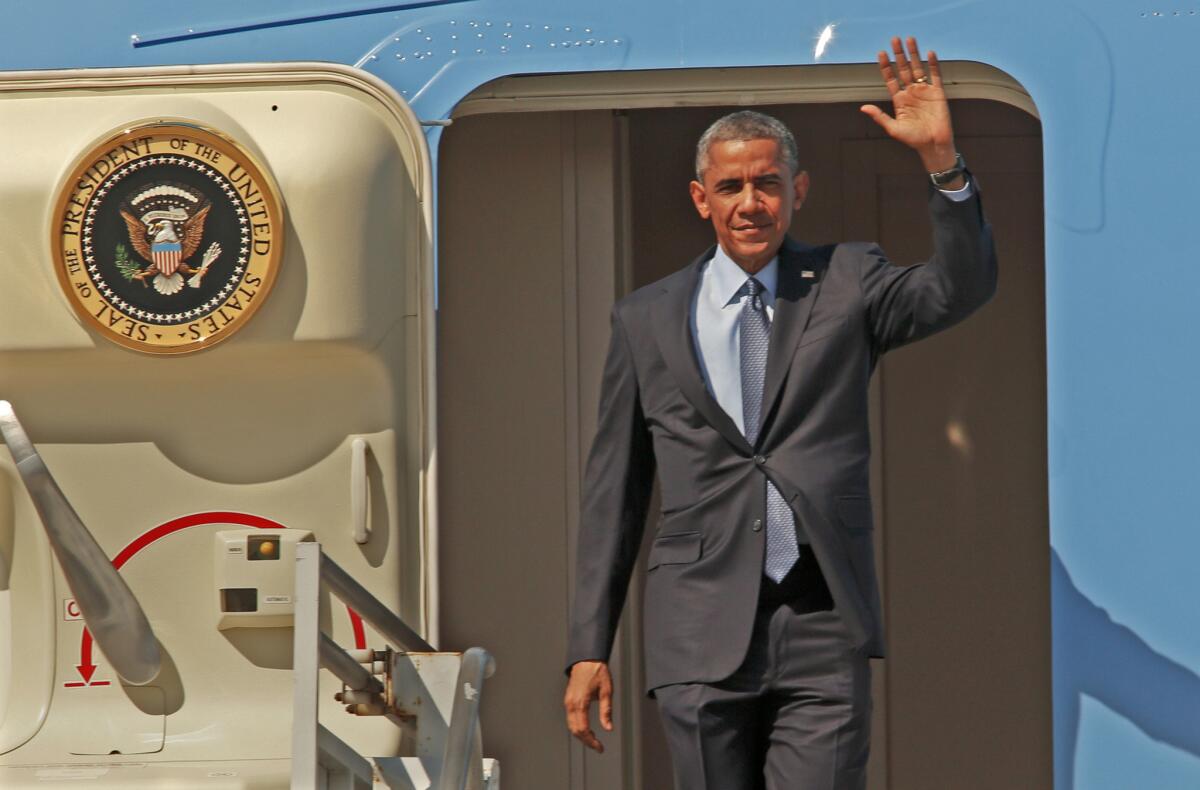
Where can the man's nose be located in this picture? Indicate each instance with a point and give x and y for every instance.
(748, 199)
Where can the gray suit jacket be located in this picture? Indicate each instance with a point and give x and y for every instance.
(837, 309)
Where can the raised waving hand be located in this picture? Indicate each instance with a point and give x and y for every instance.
(921, 114)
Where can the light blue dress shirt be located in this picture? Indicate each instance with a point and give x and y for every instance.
(715, 330)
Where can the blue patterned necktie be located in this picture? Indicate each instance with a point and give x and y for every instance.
(754, 329)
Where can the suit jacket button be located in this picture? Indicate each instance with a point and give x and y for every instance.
(760, 459)
(757, 525)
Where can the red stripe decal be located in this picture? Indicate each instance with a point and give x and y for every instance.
(360, 635)
(194, 520)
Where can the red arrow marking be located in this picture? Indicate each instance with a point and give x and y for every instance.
(86, 668)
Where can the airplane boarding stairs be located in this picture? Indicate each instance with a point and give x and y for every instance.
(432, 697)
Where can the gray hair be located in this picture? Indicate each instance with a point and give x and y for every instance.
(747, 125)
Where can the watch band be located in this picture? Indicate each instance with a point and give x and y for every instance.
(944, 177)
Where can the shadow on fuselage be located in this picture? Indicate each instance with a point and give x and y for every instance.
(1104, 660)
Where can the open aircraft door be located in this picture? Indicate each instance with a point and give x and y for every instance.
(216, 328)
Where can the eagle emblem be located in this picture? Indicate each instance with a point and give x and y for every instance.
(168, 237)
(166, 227)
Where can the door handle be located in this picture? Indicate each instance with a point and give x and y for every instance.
(359, 492)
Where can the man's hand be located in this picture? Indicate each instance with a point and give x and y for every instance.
(589, 680)
(922, 120)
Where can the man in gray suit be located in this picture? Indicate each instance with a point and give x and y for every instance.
(743, 378)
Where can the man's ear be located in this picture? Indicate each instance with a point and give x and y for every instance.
(800, 185)
(700, 199)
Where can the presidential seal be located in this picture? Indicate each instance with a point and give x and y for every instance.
(167, 237)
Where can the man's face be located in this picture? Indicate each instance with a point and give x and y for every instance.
(749, 194)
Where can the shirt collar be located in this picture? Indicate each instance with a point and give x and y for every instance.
(728, 277)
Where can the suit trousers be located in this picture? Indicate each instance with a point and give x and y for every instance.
(796, 714)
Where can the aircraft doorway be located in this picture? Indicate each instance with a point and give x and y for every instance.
(545, 218)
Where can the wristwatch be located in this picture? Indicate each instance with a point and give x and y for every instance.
(944, 177)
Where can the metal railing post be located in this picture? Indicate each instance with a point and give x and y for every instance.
(305, 666)
(459, 756)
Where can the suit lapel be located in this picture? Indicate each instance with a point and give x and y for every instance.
(795, 294)
(673, 332)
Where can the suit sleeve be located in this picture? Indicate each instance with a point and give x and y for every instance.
(616, 495)
(907, 303)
